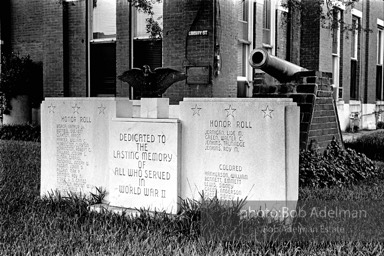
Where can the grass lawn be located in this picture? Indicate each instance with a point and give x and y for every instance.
(64, 226)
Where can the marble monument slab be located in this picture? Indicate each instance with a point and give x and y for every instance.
(74, 144)
(240, 148)
(144, 164)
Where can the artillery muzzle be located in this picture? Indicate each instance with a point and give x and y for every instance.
(282, 70)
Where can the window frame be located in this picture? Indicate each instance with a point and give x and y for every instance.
(245, 45)
(355, 58)
(380, 60)
(91, 25)
(380, 46)
(336, 37)
(135, 17)
(1, 53)
(270, 43)
(355, 38)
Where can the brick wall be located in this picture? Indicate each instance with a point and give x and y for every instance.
(54, 33)
(295, 37)
(282, 47)
(316, 47)
(281, 34)
(26, 31)
(318, 114)
(52, 29)
(325, 50)
(324, 126)
(376, 11)
(346, 57)
(258, 28)
(225, 84)
(75, 52)
(310, 36)
(181, 50)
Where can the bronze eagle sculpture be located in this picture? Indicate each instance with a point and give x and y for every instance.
(148, 83)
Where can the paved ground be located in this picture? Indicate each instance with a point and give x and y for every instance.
(347, 136)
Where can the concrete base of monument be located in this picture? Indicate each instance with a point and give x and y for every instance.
(273, 217)
(130, 212)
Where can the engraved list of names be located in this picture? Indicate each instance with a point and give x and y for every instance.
(72, 161)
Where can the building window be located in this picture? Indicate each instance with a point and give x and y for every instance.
(354, 89)
(242, 60)
(102, 49)
(267, 22)
(140, 20)
(104, 19)
(147, 43)
(1, 56)
(379, 66)
(336, 52)
(244, 43)
(355, 37)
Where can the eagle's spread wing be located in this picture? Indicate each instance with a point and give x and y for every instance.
(134, 77)
(165, 77)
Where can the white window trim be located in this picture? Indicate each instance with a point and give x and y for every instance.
(381, 60)
(90, 18)
(135, 12)
(336, 64)
(339, 4)
(249, 44)
(357, 13)
(279, 7)
(103, 40)
(357, 38)
(1, 43)
(380, 22)
(271, 46)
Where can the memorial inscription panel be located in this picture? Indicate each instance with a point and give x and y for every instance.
(233, 149)
(144, 165)
(74, 144)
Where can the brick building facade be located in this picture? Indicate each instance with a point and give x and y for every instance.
(353, 54)
(210, 40)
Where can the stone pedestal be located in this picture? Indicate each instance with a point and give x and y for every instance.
(154, 108)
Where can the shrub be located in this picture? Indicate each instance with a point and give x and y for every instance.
(335, 167)
(380, 125)
(20, 75)
(372, 145)
(355, 128)
(25, 132)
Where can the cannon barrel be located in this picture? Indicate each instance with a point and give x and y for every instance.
(282, 70)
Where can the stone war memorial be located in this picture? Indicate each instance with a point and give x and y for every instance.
(147, 154)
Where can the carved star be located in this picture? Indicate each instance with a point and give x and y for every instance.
(196, 110)
(230, 111)
(101, 109)
(267, 112)
(76, 109)
(51, 108)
